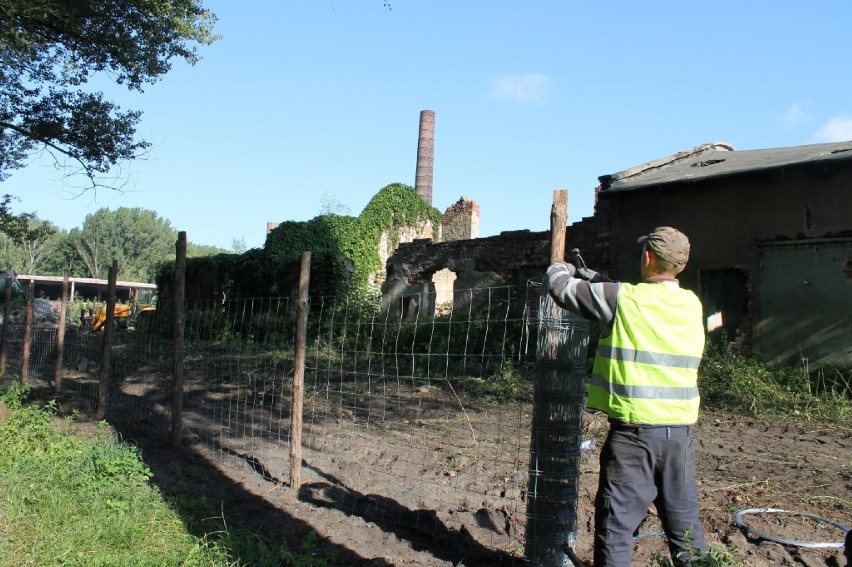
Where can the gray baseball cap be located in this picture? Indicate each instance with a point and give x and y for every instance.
(669, 244)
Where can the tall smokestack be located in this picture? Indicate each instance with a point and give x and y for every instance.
(425, 155)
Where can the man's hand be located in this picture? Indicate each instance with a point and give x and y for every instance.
(586, 274)
(559, 269)
(591, 276)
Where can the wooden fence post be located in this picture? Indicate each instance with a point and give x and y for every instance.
(60, 336)
(26, 343)
(179, 321)
(299, 374)
(558, 222)
(106, 345)
(4, 333)
(559, 400)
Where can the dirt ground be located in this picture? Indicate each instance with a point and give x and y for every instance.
(412, 476)
(743, 463)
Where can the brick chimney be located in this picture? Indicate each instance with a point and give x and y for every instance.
(425, 154)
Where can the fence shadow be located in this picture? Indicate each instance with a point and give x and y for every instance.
(422, 528)
(186, 471)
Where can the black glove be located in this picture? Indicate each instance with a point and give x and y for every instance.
(586, 274)
(591, 276)
(561, 268)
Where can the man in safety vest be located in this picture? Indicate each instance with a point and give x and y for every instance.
(645, 379)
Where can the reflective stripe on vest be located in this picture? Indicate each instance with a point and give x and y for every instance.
(645, 392)
(646, 370)
(659, 358)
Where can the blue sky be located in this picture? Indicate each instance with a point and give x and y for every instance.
(310, 102)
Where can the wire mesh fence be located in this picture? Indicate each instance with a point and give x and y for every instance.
(412, 415)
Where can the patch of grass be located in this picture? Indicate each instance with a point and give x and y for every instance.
(75, 500)
(69, 500)
(506, 386)
(733, 383)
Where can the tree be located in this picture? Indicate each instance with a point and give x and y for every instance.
(200, 250)
(39, 250)
(17, 227)
(49, 48)
(138, 239)
(238, 245)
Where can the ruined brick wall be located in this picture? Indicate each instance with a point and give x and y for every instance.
(404, 234)
(461, 220)
(500, 256)
(510, 258)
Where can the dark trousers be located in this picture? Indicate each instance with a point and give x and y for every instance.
(640, 466)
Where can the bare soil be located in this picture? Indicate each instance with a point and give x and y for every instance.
(425, 484)
(743, 463)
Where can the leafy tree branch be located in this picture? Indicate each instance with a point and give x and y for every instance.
(50, 48)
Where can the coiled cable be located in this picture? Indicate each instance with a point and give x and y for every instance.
(763, 535)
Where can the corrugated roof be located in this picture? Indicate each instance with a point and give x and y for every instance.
(719, 159)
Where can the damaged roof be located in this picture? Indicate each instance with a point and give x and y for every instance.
(719, 159)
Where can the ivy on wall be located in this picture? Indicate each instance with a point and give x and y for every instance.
(395, 206)
(344, 251)
(331, 240)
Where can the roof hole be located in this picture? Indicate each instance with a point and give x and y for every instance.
(706, 162)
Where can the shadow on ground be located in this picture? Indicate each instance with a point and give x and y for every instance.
(421, 528)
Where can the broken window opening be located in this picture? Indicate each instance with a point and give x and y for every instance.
(444, 282)
(418, 304)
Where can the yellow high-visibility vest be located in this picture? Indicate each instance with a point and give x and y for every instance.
(646, 371)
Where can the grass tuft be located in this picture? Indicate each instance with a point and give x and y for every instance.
(733, 383)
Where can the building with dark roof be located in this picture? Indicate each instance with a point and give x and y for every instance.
(771, 234)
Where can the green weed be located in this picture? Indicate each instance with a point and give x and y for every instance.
(734, 383)
(713, 557)
(508, 385)
(75, 500)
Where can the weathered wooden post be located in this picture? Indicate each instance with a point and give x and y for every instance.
(4, 333)
(179, 322)
(26, 343)
(559, 399)
(60, 336)
(106, 346)
(299, 374)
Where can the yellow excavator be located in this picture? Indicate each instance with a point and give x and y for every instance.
(120, 315)
(124, 316)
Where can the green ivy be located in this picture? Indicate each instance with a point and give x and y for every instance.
(344, 252)
(395, 206)
(345, 249)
